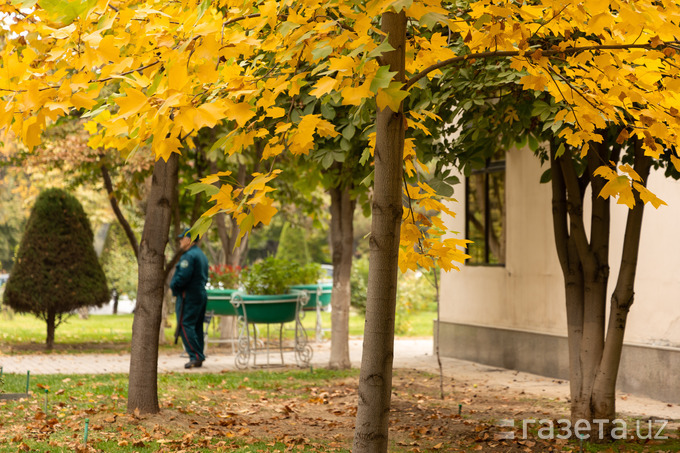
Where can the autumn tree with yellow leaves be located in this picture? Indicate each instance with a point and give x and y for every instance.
(150, 74)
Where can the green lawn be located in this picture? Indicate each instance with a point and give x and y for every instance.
(24, 333)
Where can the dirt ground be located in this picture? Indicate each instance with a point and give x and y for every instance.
(467, 419)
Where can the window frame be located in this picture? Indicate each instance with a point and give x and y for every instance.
(492, 166)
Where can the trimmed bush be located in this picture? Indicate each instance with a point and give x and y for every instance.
(293, 245)
(56, 270)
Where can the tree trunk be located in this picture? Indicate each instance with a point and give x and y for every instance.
(342, 240)
(233, 255)
(375, 379)
(143, 390)
(604, 388)
(51, 321)
(573, 275)
(593, 359)
(167, 297)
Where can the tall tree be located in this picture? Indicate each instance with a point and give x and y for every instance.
(375, 380)
(143, 388)
(214, 62)
(509, 118)
(57, 270)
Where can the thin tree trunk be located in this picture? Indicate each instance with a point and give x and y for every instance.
(167, 296)
(572, 271)
(143, 387)
(342, 239)
(604, 388)
(51, 326)
(375, 379)
(593, 258)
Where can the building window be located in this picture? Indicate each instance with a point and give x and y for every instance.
(485, 214)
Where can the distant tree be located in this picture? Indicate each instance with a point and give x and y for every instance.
(56, 270)
(293, 245)
(119, 263)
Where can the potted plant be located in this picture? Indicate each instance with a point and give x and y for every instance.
(224, 281)
(266, 292)
(308, 277)
(266, 300)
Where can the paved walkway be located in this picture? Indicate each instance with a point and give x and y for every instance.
(408, 353)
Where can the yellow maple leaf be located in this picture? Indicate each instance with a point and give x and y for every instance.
(324, 86)
(354, 95)
(675, 161)
(259, 181)
(391, 96)
(32, 129)
(648, 196)
(84, 100)
(275, 112)
(619, 186)
(133, 102)
(241, 113)
(208, 115)
(263, 212)
(166, 147)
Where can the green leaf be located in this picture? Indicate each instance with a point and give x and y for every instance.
(24, 3)
(322, 51)
(483, 19)
(368, 180)
(399, 5)
(365, 156)
(95, 112)
(199, 187)
(546, 176)
(202, 8)
(246, 226)
(560, 150)
(441, 187)
(348, 131)
(429, 20)
(381, 49)
(286, 27)
(200, 227)
(391, 97)
(382, 78)
(327, 111)
(66, 11)
(327, 160)
(533, 143)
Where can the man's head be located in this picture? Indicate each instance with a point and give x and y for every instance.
(185, 240)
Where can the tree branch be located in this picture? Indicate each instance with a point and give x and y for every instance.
(559, 209)
(575, 210)
(527, 54)
(132, 239)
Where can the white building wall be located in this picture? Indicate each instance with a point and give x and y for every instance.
(528, 294)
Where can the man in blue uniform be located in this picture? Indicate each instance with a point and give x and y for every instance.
(188, 285)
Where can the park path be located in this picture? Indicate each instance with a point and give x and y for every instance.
(408, 353)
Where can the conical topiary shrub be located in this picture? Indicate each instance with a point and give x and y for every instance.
(56, 270)
(293, 245)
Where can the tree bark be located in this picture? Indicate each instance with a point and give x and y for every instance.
(342, 241)
(604, 388)
(143, 389)
(593, 358)
(375, 379)
(51, 322)
(572, 271)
